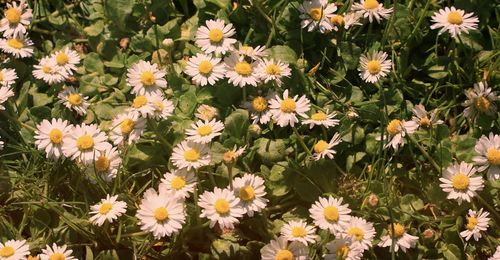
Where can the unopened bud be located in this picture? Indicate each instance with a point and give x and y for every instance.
(152, 17)
(429, 233)
(229, 157)
(124, 42)
(255, 130)
(373, 200)
(168, 42)
(352, 114)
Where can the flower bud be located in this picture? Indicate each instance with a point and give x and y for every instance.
(373, 200)
(254, 130)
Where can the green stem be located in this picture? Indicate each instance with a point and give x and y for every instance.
(301, 141)
(491, 209)
(424, 153)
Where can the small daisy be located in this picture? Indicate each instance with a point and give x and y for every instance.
(50, 135)
(372, 9)
(161, 213)
(232, 156)
(251, 191)
(396, 132)
(321, 118)
(281, 249)
(347, 20)
(163, 108)
(270, 70)
(67, 60)
(205, 69)
(480, 100)
(215, 37)
(56, 252)
(240, 72)
(206, 112)
(316, 14)
(190, 155)
(145, 77)
(5, 93)
(17, 18)
(221, 207)
(48, 71)
(108, 209)
(298, 230)
(477, 222)
(1, 144)
(84, 142)
(496, 255)
(422, 118)
(323, 149)
(19, 46)
(74, 100)
(329, 214)
(343, 249)
(107, 163)
(14, 250)
(142, 105)
(181, 182)
(256, 53)
(403, 240)
(455, 21)
(373, 66)
(7, 77)
(127, 128)
(259, 109)
(284, 111)
(204, 131)
(460, 182)
(488, 150)
(360, 231)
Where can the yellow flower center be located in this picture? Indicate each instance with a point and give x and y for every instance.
(243, 68)
(319, 116)
(56, 136)
(425, 122)
(127, 125)
(215, 35)
(15, 43)
(178, 183)
(288, 105)
(75, 99)
(204, 130)
(229, 156)
(13, 15)
(331, 213)
(370, 4)
(191, 155)
(399, 230)
(161, 214)
(374, 67)
(273, 69)
(247, 193)
(284, 254)
(394, 127)
(316, 14)
(139, 101)
(62, 58)
(148, 78)
(460, 181)
(259, 104)
(102, 163)
(337, 19)
(221, 206)
(159, 105)
(298, 232)
(493, 156)
(7, 251)
(342, 251)
(205, 67)
(357, 233)
(46, 69)
(471, 223)
(1, 76)
(482, 104)
(105, 208)
(247, 49)
(85, 142)
(320, 146)
(455, 17)
(57, 256)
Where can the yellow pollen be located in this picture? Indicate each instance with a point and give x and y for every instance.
(247, 193)
(247, 49)
(493, 156)
(56, 136)
(455, 17)
(221, 206)
(148, 78)
(7, 251)
(139, 101)
(205, 67)
(13, 15)
(62, 58)
(273, 69)
(259, 104)
(288, 105)
(357, 233)
(370, 4)
(15, 43)
(399, 230)
(425, 122)
(178, 183)
(374, 67)
(284, 254)
(320, 146)
(191, 155)
(337, 20)
(342, 252)
(316, 14)
(394, 127)
(74, 99)
(46, 69)
(243, 68)
(105, 208)
(331, 213)
(204, 130)
(127, 125)
(298, 232)
(215, 35)
(482, 104)
(161, 214)
(471, 223)
(57, 256)
(85, 142)
(460, 181)
(102, 164)
(319, 116)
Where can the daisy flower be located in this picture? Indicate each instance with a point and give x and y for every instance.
(84, 142)
(455, 21)
(48, 71)
(56, 252)
(396, 132)
(321, 118)
(481, 99)
(215, 37)
(323, 149)
(205, 69)
(488, 150)
(477, 222)
(239, 71)
(145, 77)
(403, 240)
(204, 131)
(74, 100)
(190, 155)
(259, 109)
(108, 209)
(342, 248)
(347, 20)
(18, 46)
(206, 112)
(298, 230)
(250, 190)
(360, 231)
(49, 136)
(284, 111)
(16, 18)
(423, 119)
(142, 105)
(14, 250)
(496, 255)
(373, 66)
(163, 108)
(270, 70)
(372, 9)
(281, 249)
(107, 163)
(7, 77)
(127, 128)
(180, 181)
(161, 213)
(5, 93)
(460, 182)
(256, 53)
(66, 60)
(221, 207)
(316, 14)
(232, 156)
(330, 214)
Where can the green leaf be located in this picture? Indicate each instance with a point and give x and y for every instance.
(452, 252)
(236, 124)
(118, 10)
(93, 63)
(411, 203)
(270, 150)
(94, 29)
(283, 53)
